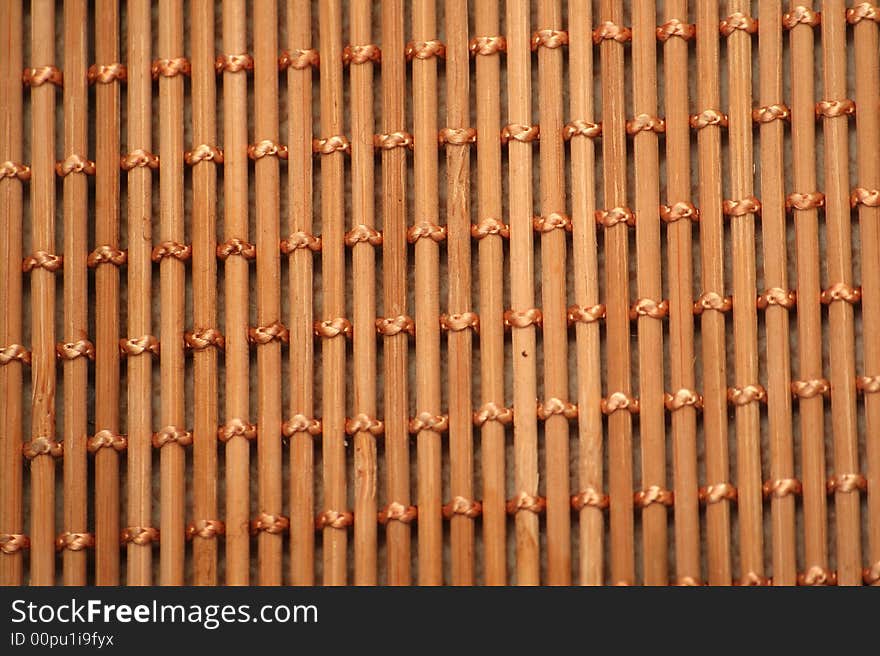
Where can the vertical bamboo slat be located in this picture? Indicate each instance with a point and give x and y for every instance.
(269, 331)
(42, 263)
(361, 238)
(394, 327)
(809, 309)
(741, 208)
(773, 226)
(140, 344)
(171, 253)
(834, 110)
(591, 501)
(679, 214)
(334, 328)
(616, 217)
(491, 230)
(12, 527)
(204, 338)
(649, 308)
(302, 349)
(522, 317)
(460, 319)
(551, 224)
(236, 250)
(107, 107)
(867, 75)
(76, 347)
(425, 233)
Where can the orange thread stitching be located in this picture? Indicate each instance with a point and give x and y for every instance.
(646, 307)
(487, 45)
(428, 421)
(265, 148)
(107, 73)
(299, 240)
(207, 529)
(459, 321)
(520, 132)
(868, 384)
(611, 31)
(201, 338)
(845, 483)
(171, 435)
(265, 334)
(299, 423)
(390, 326)
(871, 575)
(334, 519)
(784, 298)
(170, 67)
(835, 108)
(457, 136)
(801, 15)
(619, 401)
(136, 345)
(654, 494)
(269, 523)
(523, 318)
(180, 252)
(105, 439)
(74, 164)
(738, 21)
(397, 512)
(330, 328)
(425, 49)
(139, 535)
(817, 576)
(364, 54)
(42, 260)
(675, 27)
(708, 117)
(236, 246)
(81, 348)
(363, 423)
(426, 229)
(233, 63)
(585, 313)
(746, 394)
(139, 158)
(299, 59)
(863, 11)
(488, 227)
(645, 123)
(712, 301)
(74, 541)
(236, 428)
(782, 487)
(861, 196)
(106, 254)
(809, 201)
(555, 406)
(739, 208)
(330, 145)
(679, 211)
(363, 233)
(525, 501)
(549, 39)
(681, 398)
(393, 140)
(204, 153)
(551, 222)
(39, 75)
(614, 216)
(840, 291)
(581, 128)
(40, 446)
(717, 493)
(14, 352)
(11, 543)
(492, 411)
(14, 170)
(589, 498)
(770, 113)
(464, 507)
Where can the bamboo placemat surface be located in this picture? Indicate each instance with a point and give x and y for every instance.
(439, 292)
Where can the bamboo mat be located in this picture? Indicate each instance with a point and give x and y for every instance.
(439, 292)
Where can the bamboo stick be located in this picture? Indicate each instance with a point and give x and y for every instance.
(460, 318)
(172, 437)
(394, 301)
(75, 536)
(334, 519)
(590, 498)
(427, 423)
(363, 290)
(302, 349)
(746, 391)
(683, 399)
(712, 302)
(773, 227)
(649, 307)
(491, 292)
(203, 339)
(107, 105)
(522, 293)
(138, 360)
(236, 250)
(11, 408)
(867, 76)
(268, 231)
(618, 400)
(553, 294)
(838, 255)
(42, 447)
(809, 309)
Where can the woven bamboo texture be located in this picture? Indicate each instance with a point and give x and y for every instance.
(439, 292)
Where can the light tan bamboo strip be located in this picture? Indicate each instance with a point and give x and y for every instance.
(867, 75)
(172, 495)
(773, 228)
(394, 267)
(745, 322)
(491, 297)
(11, 122)
(617, 295)
(333, 287)
(427, 303)
(522, 291)
(364, 297)
(107, 106)
(302, 345)
(140, 238)
(712, 280)
(75, 372)
(838, 256)
(681, 290)
(204, 286)
(42, 186)
(267, 191)
(809, 309)
(458, 220)
(586, 286)
(553, 295)
(237, 358)
(652, 424)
